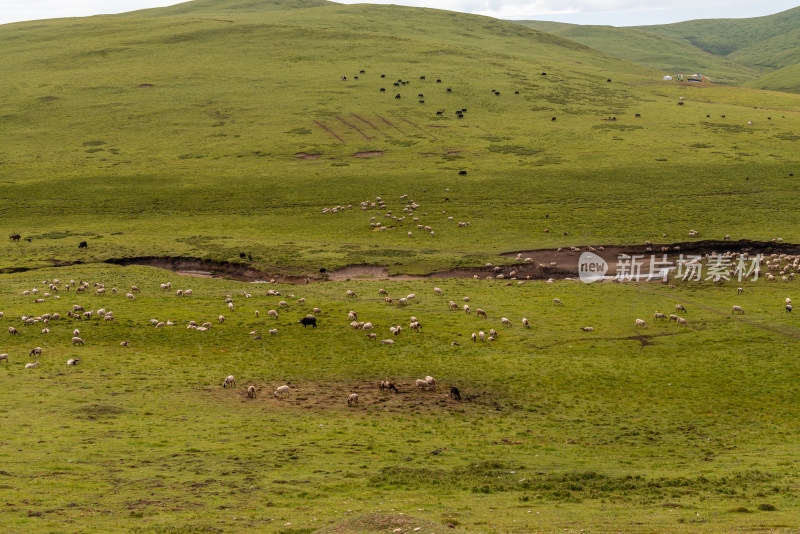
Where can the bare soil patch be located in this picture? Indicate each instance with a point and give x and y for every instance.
(143, 85)
(305, 155)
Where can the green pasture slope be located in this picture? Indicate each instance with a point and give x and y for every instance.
(175, 132)
(668, 428)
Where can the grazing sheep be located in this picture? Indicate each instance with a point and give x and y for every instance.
(351, 315)
(3, 357)
(36, 351)
(283, 304)
(251, 392)
(160, 324)
(680, 308)
(134, 289)
(474, 336)
(587, 328)
(431, 382)
(256, 314)
(386, 385)
(480, 313)
(788, 308)
(739, 290)
(73, 361)
(640, 322)
(438, 291)
(505, 321)
(420, 384)
(273, 314)
(525, 322)
(221, 318)
(130, 296)
(179, 293)
(737, 309)
(367, 326)
(301, 301)
(282, 391)
(229, 382)
(481, 335)
(31, 365)
(273, 332)
(681, 321)
(230, 306)
(77, 341)
(352, 400)
(45, 330)
(466, 308)
(13, 331)
(388, 341)
(371, 336)
(658, 315)
(788, 300)
(453, 305)
(124, 343)
(402, 301)
(673, 317)
(187, 293)
(350, 294)
(454, 393)
(466, 299)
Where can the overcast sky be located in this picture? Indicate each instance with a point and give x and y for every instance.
(613, 12)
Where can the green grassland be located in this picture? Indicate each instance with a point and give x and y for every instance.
(624, 428)
(178, 132)
(759, 52)
(203, 163)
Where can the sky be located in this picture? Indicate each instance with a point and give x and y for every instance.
(611, 12)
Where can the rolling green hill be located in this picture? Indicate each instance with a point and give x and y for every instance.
(192, 133)
(737, 51)
(671, 56)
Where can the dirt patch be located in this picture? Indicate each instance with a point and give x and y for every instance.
(379, 522)
(305, 155)
(370, 154)
(197, 267)
(48, 98)
(143, 85)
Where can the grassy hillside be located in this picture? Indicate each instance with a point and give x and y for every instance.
(179, 135)
(669, 55)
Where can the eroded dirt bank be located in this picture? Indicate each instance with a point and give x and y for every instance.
(540, 264)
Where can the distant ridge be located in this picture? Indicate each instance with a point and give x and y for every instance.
(227, 7)
(759, 52)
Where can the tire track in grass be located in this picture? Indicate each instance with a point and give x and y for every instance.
(739, 318)
(365, 136)
(329, 131)
(420, 129)
(365, 121)
(392, 125)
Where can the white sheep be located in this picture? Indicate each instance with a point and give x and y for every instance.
(438, 291)
(221, 318)
(587, 328)
(350, 294)
(273, 332)
(420, 384)
(737, 309)
(283, 304)
(466, 308)
(187, 293)
(525, 322)
(680, 308)
(77, 341)
(31, 365)
(474, 336)
(388, 341)
(352, 400)
(229, 382)
(160, 324)
(251, 392)
(556, 302)
(130, 296)
(640, 322)
(453, 305)
(73, 361)
(36, 351)
(431, 382)
(681, 321)
(13, 331)
(4, 356)
(273, 314)
(505, 321)
(230, 306)
(45, 330)
(124, 343)
(282, 391)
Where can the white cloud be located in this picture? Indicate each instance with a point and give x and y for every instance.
(616, 12)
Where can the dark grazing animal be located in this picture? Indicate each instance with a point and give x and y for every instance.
(454, 393)
(14, 237)
(83, 244)
(305, 321)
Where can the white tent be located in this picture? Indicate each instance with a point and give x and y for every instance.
(667, 78)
